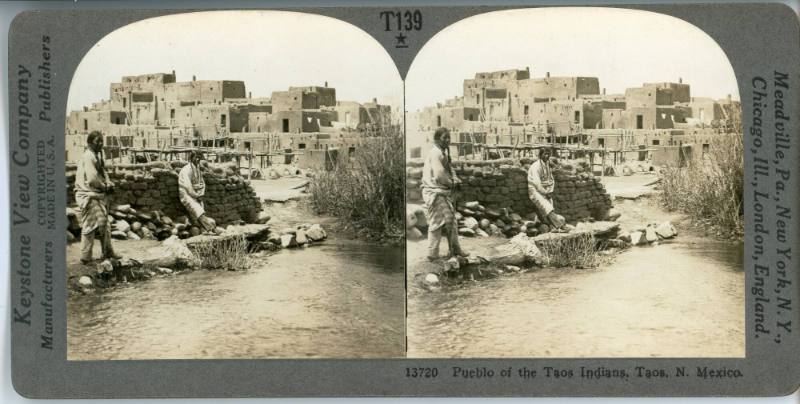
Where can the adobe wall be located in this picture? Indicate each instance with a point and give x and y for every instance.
(154, 187)
(503, 183)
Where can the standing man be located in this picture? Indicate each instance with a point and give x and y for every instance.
(192, 189)
(92, 188)
(438, 182)
(540, 189)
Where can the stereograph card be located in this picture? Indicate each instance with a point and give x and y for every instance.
(527, 200)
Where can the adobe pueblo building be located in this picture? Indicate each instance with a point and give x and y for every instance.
(509, 109)
(154, 116)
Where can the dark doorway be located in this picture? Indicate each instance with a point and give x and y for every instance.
(285, 125)
(639, 122)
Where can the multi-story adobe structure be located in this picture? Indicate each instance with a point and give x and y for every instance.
(156, 112)
(511, 107)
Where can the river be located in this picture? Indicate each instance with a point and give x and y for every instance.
(340, 299)
(683, 298)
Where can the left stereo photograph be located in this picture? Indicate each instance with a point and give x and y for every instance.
(235, 185)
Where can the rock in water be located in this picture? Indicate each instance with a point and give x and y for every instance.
(637, 237)
(288, 241)
(300, 237)
(650, 234)
(85, 281)
(316, 233)
(666, 230)
(431, 279)
(414, 234)
(470, 223)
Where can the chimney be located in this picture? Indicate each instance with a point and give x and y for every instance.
(194, 77)
(249, 94)
(326, 83)
(604, 91)
(374, 100)
(173, 72)
(528, 69)
(728, 97)
(680, 80)
(547, 75)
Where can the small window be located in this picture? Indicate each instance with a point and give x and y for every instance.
(301, 146)
(85, 124)
(656, 142)
(526, 110)
(601, 142)
(172, 113)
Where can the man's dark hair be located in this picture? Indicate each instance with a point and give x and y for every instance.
(195, 153)
(439, 133)
(92, 136)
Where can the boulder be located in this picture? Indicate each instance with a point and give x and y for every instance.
(515, 217)
(105, 267)
(666, 230)
(164, 271)
(288, 241)
(414, 234)
(485, 224)
(133, 236)
(122, 226)
(637, 238)
(471, 223)
(464, 231)
(472, 205)
(411, 220)
(650, 234)
(431, 279)
(119, 235)
(85, 282)
(481, 233)
(300, 237)
(316, 233)
(136, 226)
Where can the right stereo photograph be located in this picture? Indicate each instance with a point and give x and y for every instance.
(574, 189)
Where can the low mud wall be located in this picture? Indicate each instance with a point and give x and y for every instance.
(503, 183)
(154, 187)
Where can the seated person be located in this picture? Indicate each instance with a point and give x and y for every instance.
(192, 189)
(540, 189)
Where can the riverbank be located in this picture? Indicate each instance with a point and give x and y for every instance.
(340, 298)
(640, 301)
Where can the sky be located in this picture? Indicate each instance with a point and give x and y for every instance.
(622, 48)
(268, 50)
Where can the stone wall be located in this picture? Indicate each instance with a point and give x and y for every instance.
(503, 183)
(154, 187)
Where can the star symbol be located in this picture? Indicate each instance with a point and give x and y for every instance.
(401, 41)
